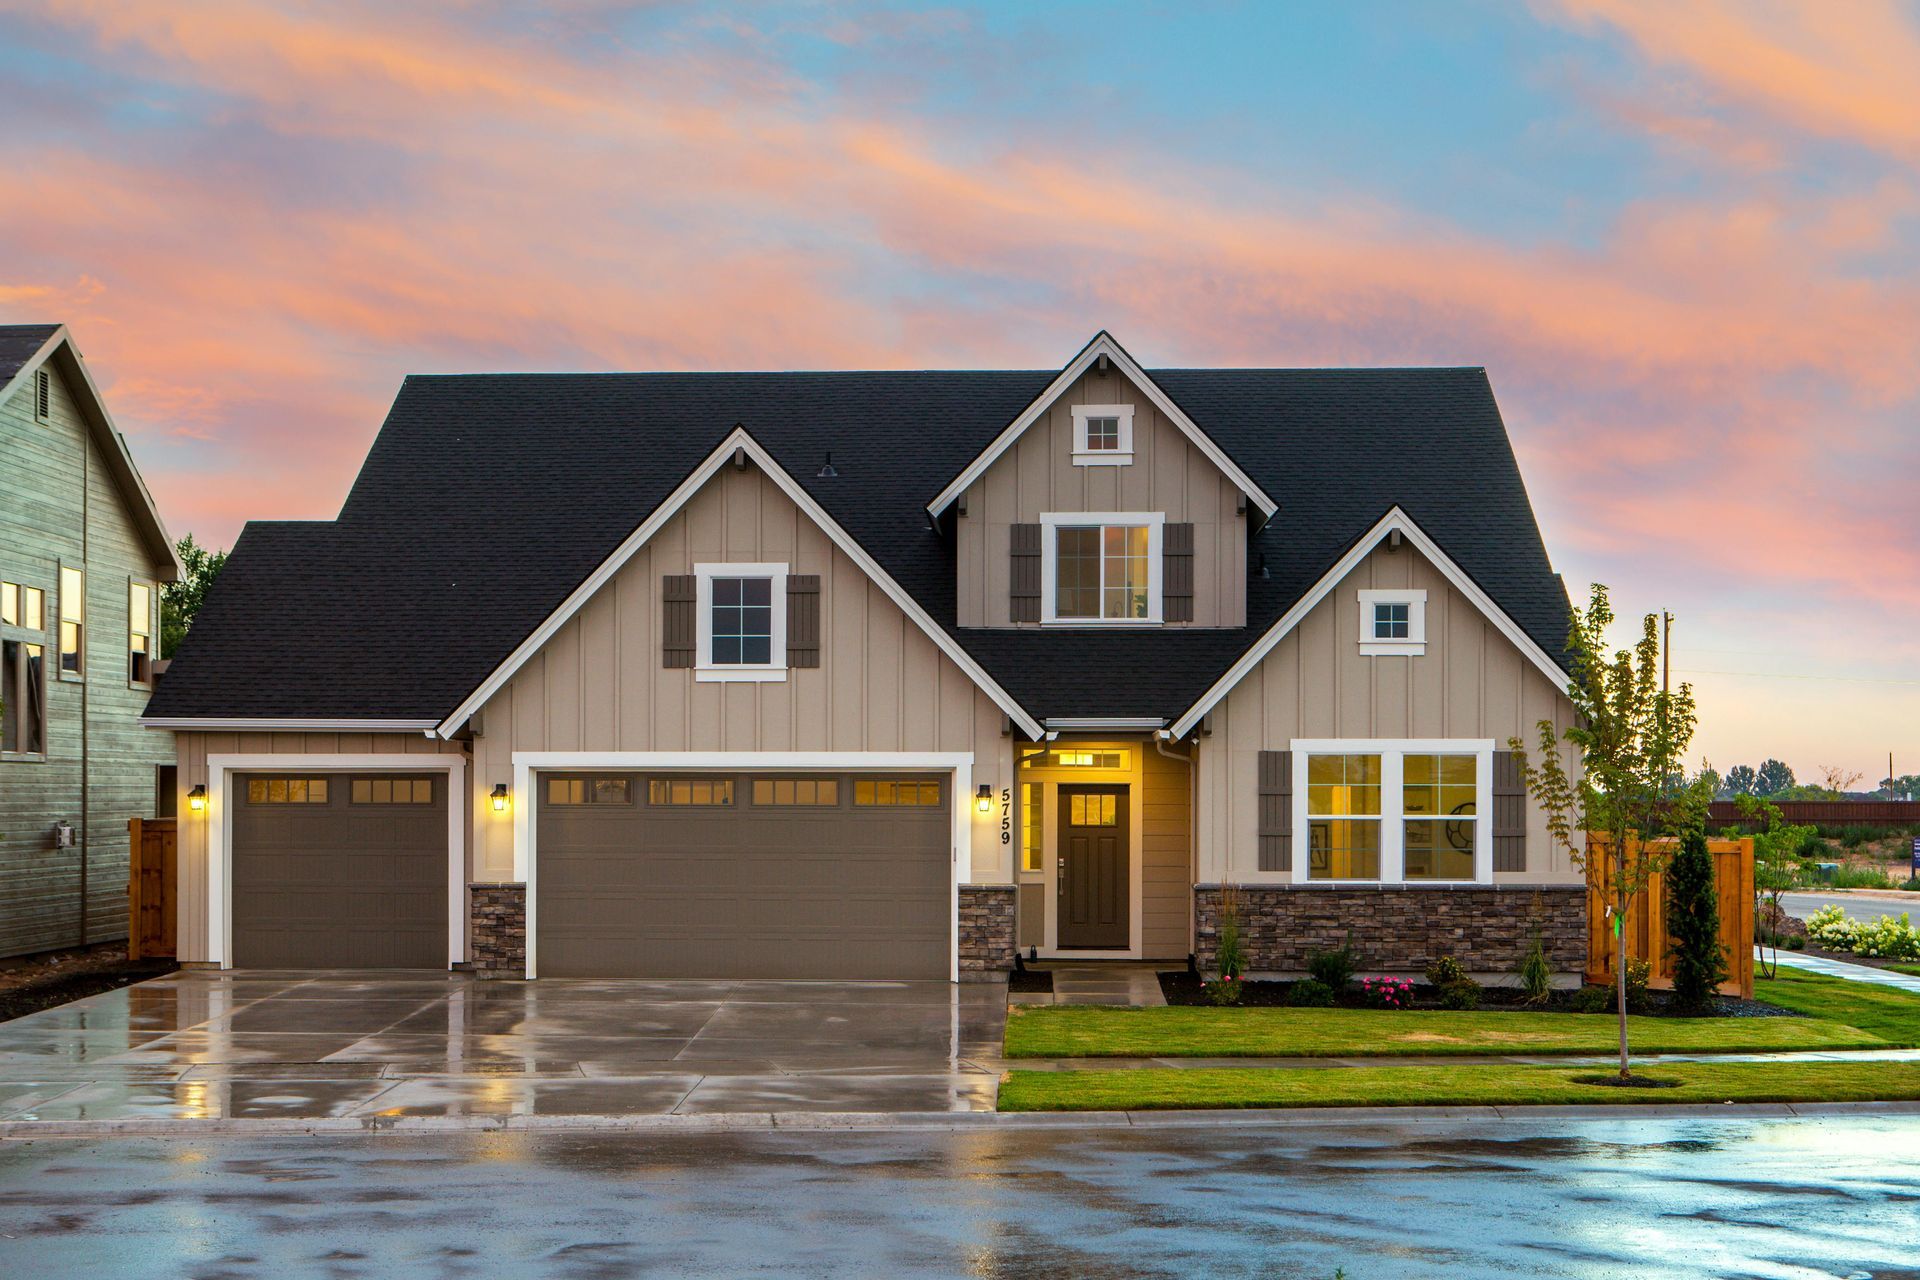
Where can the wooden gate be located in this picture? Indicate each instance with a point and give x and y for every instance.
(151, 875)
(1646, 930)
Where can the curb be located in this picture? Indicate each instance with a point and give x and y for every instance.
(930, 1121)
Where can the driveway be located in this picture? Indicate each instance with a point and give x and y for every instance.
(255, 1044)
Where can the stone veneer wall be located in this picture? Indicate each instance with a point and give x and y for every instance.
(987, 945)
(499, 916)
(1400, 930)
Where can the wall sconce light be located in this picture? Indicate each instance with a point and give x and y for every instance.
(197, 798)
(983, 799)
(499, 797)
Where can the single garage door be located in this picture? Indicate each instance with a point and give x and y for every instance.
(743, 876)
(340, 871)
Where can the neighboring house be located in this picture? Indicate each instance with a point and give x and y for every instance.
(885, 675)
(82, 555)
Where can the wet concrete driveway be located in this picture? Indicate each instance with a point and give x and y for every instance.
(253, 1044)
(1635, 1196)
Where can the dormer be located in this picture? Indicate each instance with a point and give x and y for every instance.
(1103, 505)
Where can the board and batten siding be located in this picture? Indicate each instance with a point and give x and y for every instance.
(193, 749)
(59, 505)
(1037, 475)
(600, 684)
(1472, 682)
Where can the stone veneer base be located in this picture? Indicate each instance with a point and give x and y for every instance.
(498, 938)
(1398, 929)
(987, 922)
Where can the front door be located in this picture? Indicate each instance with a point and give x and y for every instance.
(1093, 888)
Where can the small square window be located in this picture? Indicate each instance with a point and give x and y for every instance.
(1102, 434)
(1393, 622)
(1390, 621)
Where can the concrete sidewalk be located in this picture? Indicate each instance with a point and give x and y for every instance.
(1851, 972)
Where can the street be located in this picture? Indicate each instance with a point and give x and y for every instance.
(1610, 1197)
(1858, 905)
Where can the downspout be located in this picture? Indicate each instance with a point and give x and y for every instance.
(1160, 740)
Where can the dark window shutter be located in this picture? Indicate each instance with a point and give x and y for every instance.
(803, 619)
(1176, 573)
(678, 596)
(1024, 600)
(1276, 810)
(1509, 814)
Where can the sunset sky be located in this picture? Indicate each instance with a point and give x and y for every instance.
(1683, 238)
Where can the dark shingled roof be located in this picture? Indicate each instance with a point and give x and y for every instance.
(487, 498)
(19, 343)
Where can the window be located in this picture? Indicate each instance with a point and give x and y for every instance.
(742, 621)
(1102, 435)
(1083, 759)
(73, 617)
(1093, 811)
(392, 791)
(690, 791)
(23, 607)
(42, 395)
(1393, 622)
(818, 792)
(898, 792)
(588, 791)
(286, 790)
(1101, 567)
(23, 698)
(1395, 811)
(1032, 835)
(139, 633)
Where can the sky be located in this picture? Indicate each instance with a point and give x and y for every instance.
(1682, 237)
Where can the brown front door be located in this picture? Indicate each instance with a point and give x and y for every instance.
(1093, 886)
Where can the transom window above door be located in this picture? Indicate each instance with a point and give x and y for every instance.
(1101, 567)
(742, 620)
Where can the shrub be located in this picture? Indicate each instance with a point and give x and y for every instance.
(1693, 924)
(1445, 971)
(1334, 969)
(1223, 990)
(1536, 975)
(1230, 957)
(1590, 1000)
(1310, 993)
(1890, 937)
(1464, 994)
(1846, 876)
(1639, 973)
(1796, 942)
(1387, 993)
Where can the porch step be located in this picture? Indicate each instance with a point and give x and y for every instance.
(1136, 985)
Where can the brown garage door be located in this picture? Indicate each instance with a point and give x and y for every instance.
(743, 876)
(340, 871)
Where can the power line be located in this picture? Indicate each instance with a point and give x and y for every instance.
(1788, 675)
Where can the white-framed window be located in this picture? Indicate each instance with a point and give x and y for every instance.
(1102, 435)
(73, 623)
(1393, 622)
(741, 620)
(139, 632)
(1100, 568)
(1393, 811)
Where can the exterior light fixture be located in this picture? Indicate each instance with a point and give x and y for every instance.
(197, 798)
(499, 797)
(983, 800)
(827, 472)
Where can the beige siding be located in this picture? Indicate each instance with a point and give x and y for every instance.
(1472, 682)
(1166, 858)
(1167, 475)
(882, 683)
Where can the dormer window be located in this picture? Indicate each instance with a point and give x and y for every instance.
(1393, 622)
(1101, 567)
(1102, 435)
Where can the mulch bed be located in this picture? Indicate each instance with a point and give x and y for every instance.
(33, 983)
(1185, 988)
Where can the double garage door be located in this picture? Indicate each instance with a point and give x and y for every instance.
(743, 876)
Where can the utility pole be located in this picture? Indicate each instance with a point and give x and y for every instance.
(1666, 652)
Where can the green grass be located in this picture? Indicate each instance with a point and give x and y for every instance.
(1077, 1031)
(1891, 1015)
(1461, 1084)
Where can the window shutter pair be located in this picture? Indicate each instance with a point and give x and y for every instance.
(1509, 814)
(1176, 575)
(680, 629)
(1276, 810)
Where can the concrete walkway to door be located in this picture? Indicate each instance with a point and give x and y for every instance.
(379, 1046)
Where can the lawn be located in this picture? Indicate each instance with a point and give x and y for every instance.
(1084, 1031)
(1891, 1014)
(1460, 1084)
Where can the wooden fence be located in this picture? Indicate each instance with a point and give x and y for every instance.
(1827, 813)
(1646, 932)
(152, 869)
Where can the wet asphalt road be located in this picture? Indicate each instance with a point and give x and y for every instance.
(1859, 906)
(1629, 1197)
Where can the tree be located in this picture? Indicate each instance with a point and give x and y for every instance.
(179, 601)
(1693, 924)
(1740, 780)
(1776, 869)
(1773, 778)
(1708, 780)
(1632, 737)
(1905, 787)
(1839, 778)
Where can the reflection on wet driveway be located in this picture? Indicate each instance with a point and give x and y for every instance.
(300, 1045)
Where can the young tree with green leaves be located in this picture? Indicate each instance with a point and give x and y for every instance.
(1776, 869)
(1693, 924)
(179, 601)
(1632, 737)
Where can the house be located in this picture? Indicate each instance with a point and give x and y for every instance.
(82, 555)
(885, 675)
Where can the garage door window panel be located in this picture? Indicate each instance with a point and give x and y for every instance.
(287, 791)
(898, 793)
(391, 791)
(603, 791)
(690, 792)
(817, 793)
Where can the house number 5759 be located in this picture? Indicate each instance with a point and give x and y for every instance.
(1006, 815)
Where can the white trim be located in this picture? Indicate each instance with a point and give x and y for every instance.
(1103, 344)
(1051, 522)
(1394, 519)
(1051, 778)
(1415, 643)
(958, 764)
(1102, 724)
(218, 816)
(705, 668)
(738, 439)
(1393, 753)
(288, 725)
(1121, 455)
